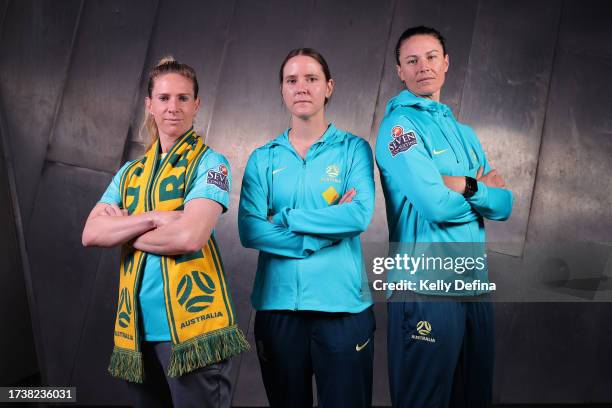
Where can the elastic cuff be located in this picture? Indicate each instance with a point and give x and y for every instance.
(280, 218)
(480, 196)
(315, 243)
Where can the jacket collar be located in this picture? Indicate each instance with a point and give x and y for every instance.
(408, 99)
(330, 136)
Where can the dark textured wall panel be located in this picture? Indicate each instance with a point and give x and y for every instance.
(553, 354)
(354, 47)
(63, 272)
(89, 373)
(572, 203)
(505, 99)
(107, 61)
(17, 352)
(602, 375)
(572, 200)
(248, 111)
(3, 6)
(586, 27)
(35, 46)
(203, 49)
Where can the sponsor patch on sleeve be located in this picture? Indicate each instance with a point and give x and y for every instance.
(218, 177)
(402, 141)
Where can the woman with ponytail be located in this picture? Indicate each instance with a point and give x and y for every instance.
(175, 328)
(306, 197)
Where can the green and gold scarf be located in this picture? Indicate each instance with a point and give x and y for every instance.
(198, 305)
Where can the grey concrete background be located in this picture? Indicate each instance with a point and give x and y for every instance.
(532, 78)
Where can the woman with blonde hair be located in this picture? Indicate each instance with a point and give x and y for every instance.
(175, 328)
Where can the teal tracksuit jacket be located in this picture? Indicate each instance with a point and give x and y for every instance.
(419, 141)
(310, 254)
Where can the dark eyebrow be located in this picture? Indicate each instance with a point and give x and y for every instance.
(167, 94)
(416, 56)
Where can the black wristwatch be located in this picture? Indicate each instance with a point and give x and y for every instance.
(471, 187)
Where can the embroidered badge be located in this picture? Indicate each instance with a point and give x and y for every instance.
(332, 174)
(402, 141)
(332, 170)
(330, 195)
(218, 178)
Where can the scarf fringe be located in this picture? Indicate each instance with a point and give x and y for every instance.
(206, 349)
(127, 365)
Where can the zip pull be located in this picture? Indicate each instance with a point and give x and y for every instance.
(444, 128)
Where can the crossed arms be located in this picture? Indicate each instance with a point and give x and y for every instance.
(437, 197)
(158, 232)
(297, 233)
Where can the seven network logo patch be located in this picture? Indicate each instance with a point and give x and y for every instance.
(195, 291)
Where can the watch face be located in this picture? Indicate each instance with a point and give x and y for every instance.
(471, 187)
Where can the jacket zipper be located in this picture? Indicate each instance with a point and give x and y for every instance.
(298, 268)
(465, 159)
(302, 191)
(439, 117)
(461, 154)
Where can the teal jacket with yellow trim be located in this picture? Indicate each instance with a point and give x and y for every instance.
(310, 253)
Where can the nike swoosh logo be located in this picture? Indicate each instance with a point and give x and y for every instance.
(437, 152)
(359, 348)
(278, 170)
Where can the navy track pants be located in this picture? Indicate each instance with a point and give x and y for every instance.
(338, 348)
(440, 353)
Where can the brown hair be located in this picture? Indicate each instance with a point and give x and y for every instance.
(419, 30)
(166, 65)
(309, 52)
